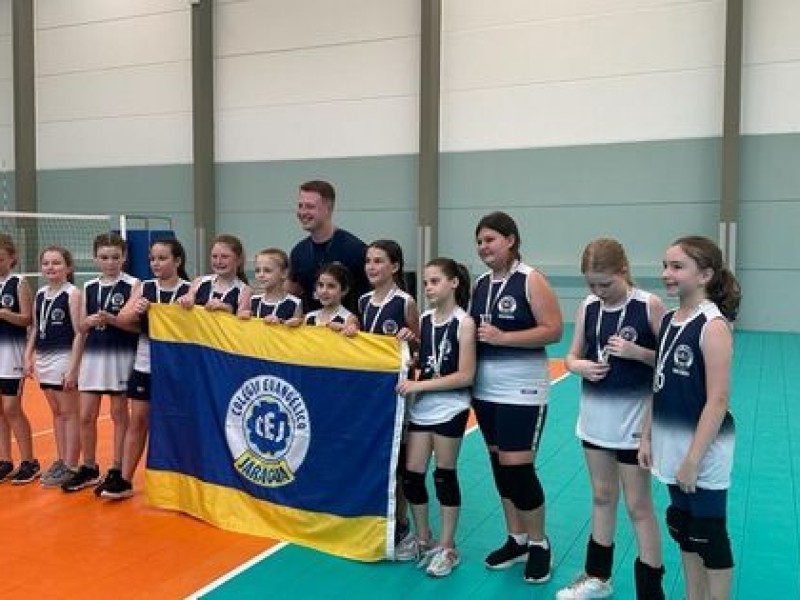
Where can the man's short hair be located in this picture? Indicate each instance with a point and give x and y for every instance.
(323, 188)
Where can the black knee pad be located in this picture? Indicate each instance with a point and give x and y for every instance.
(678, 525)
(414, 487)
(494, 459)
(709, 538)
(522, 486)
(448, 491)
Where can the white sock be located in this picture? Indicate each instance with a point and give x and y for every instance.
(543, 543)
(520, 538)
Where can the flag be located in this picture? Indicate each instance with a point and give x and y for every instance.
(289, 433)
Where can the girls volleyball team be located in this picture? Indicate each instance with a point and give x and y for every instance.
(655, 385)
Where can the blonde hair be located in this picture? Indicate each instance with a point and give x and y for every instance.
(606, 255)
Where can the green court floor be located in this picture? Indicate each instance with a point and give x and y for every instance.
(764, 508)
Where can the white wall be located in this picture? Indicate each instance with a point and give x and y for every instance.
(520, 74)
(113, 82)
(316, 78)
(6, 93)
(771, 74)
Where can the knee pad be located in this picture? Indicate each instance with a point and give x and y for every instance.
(447, 490)
(678, 525)
(494, 459)
(709, 538)
(522, 486)
(414, 487)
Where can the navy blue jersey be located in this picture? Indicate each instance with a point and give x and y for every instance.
(507, 374)
(54, 320)
(109, 297)
(386, 318)
(679, 400)
(155, 294)
(284, 309)
(632, 323)
(340, 316)
(307, 257)
(205, 292)
(439, 353)
(12, 337)
(439, 345)
(612, 408)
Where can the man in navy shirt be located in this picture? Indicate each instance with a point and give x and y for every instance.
(325, 244)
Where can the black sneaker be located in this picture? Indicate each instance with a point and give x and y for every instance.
(112, 475)
(508, 554)
(27, 472)
(540, 562)
(85, 477)
(6, 469)
(117, 488)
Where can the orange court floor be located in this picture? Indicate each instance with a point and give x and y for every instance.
(79, 546)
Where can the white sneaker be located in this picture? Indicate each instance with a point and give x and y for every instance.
(585, 588)
(425, 553)
(406, 549)
(443, 562)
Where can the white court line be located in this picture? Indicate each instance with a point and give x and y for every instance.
(280, 546)
(240, 569)
(44, 432)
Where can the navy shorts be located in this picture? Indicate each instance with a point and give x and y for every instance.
(454, 428)
(510, 427)
(625, 456)
(702, 504)
(11, 387)
(139, 386)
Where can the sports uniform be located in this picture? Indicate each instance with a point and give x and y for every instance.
(612, 408)
(108, 353)
(54, 336)
(697, 521)
(284, 309)
(205, 292)
(12, 339)
(340, 316)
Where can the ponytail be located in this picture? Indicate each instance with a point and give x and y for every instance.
(724, 291)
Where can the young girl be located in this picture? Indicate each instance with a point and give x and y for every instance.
(167, 262)
(389, 310)
(519, 316)
(107, 357)
(688, 436)
(438, 416)
(226, 289)
(273, 305)
(15, 316)
(333, 283)
(613, 351)
(53, 354)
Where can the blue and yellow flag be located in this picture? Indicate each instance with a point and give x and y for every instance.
(287, 433)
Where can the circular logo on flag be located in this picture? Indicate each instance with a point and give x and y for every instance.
(268, 430)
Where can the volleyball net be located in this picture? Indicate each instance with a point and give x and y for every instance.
(33, 232)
